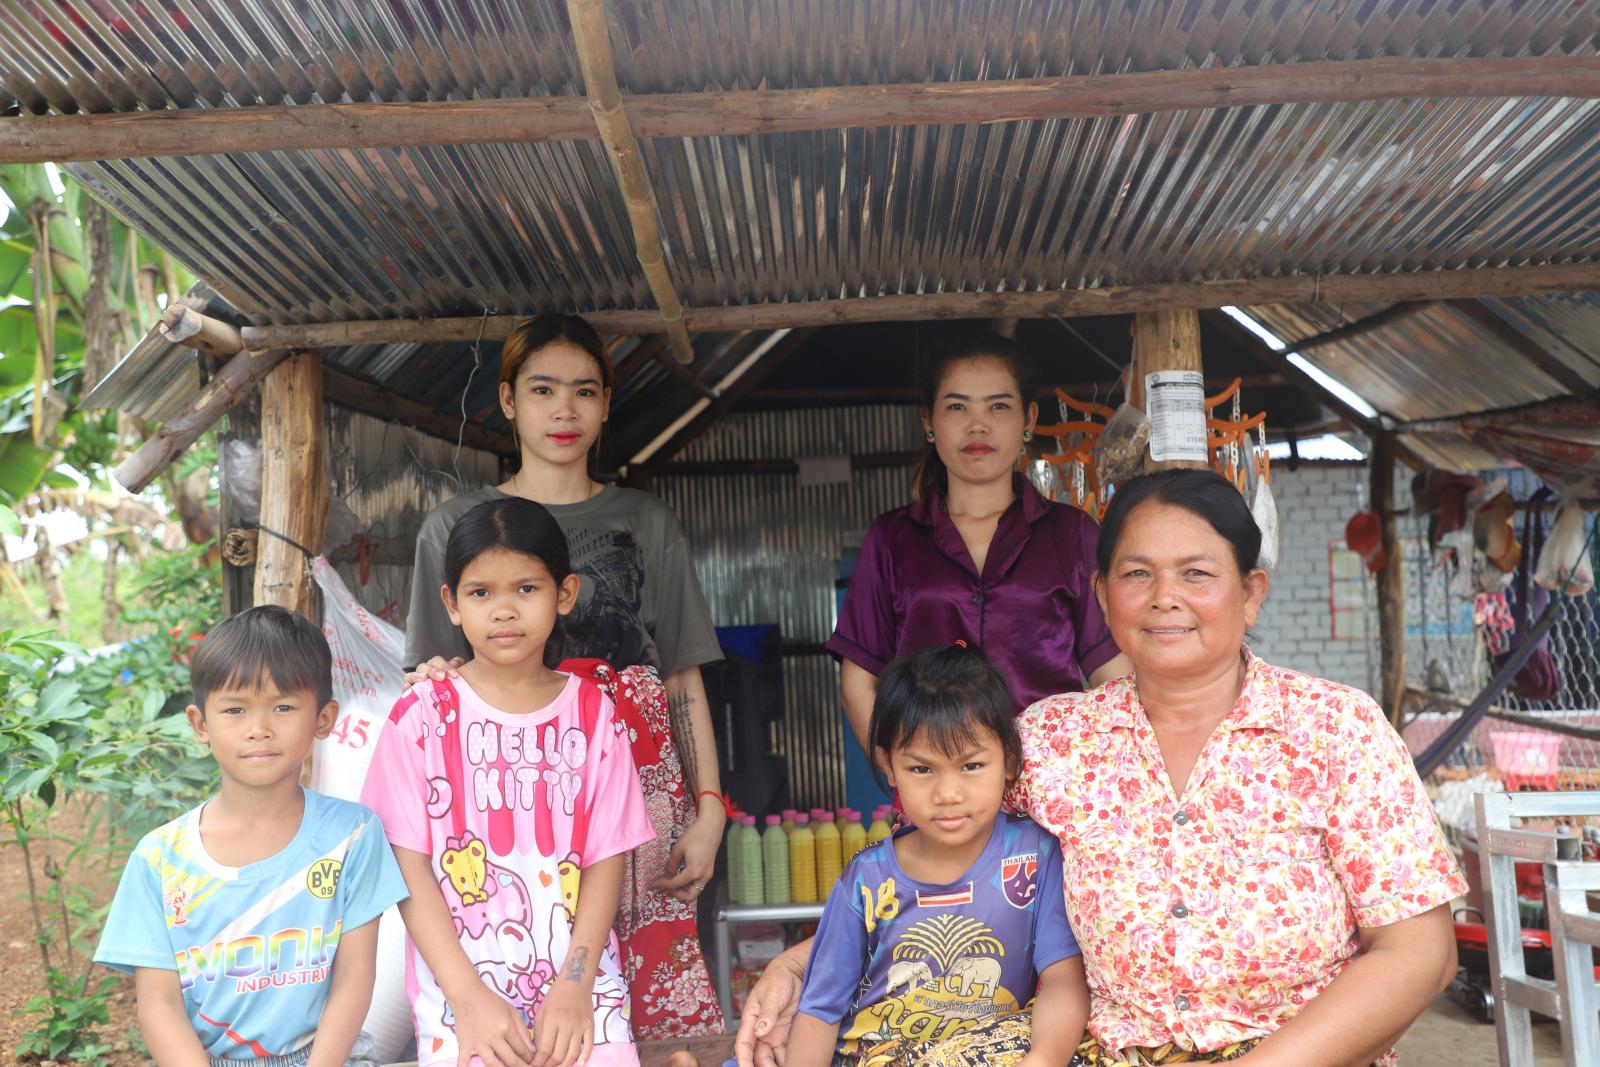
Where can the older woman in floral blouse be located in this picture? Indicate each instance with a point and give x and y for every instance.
(1252, 868)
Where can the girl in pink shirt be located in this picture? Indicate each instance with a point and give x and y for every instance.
(502, 791)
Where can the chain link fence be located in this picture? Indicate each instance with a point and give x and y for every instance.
(1454, 636)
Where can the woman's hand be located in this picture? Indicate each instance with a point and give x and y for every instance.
(770, 1009)
(438, 669)
(563, 1027)
(491, 1029)
(693, 858)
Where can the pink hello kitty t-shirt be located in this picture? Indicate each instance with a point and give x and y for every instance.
(510, 809)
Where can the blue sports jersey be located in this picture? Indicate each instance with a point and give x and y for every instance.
(895, 957)
(253, 946)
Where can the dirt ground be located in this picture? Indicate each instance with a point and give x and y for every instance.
(23, 972)
(1445, 1036)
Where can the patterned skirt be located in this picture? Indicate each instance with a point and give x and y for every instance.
(668, 983)
(1005, 1039)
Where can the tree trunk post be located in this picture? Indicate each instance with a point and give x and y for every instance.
(1391, 580)
(1165, 341)
(294, 482)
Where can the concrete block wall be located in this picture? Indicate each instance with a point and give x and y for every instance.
(1295, 628)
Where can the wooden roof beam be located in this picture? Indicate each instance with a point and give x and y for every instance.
(338, 127)
(1361, 327)
(1052, 303)
(592, 39)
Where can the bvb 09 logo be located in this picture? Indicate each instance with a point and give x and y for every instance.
(322, 878)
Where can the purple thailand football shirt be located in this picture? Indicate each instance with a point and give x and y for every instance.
(1032, 611)
(896, 957)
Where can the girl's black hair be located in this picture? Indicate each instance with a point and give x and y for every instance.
(950, 695)
(517, 525)
(931, 479)
(1203, 493)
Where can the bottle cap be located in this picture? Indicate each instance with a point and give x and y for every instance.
(801, 819)
(788, 813)
(774, 820)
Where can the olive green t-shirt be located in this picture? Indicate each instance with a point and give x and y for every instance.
(639, 602)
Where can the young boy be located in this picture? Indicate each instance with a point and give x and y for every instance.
(249, 924)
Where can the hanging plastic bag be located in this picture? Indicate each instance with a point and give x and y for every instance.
(1264, 509)
(367, 680)
(241, 480)
(1119, 453)
(1564, 555)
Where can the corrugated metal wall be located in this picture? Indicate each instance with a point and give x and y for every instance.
(765, 550)
(391, 477)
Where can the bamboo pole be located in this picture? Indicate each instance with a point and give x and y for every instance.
(348, 127)
(1053, 303)
(593, 42)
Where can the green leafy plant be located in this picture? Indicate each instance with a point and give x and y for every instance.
(72, 1007)
(100, 733)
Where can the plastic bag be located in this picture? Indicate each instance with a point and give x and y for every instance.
(367, 680)
(1264, 509)
(1564, 551)
(241, 479)
(1119, 453)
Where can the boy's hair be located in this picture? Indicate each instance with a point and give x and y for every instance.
(263, 642)
(951, 695)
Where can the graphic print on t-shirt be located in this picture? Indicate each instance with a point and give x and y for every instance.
(606, 623)
(509, 820)
(934, 959)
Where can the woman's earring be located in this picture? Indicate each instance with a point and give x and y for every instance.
(1027, 435)
(930, 437)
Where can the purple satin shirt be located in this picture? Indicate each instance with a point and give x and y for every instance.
(1032, 611)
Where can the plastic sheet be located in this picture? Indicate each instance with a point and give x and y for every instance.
(367, 679)
(1565, 555)
(241, 476)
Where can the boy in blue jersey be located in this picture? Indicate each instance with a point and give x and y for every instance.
(249, 924)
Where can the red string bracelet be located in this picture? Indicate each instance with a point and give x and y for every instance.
(727, 805)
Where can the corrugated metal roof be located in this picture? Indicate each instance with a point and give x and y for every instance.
(1430, 365)
(327, 235)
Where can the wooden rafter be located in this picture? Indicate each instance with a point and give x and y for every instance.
(1361, 327)
(335, 127)
(593, 41)
(1053, 303)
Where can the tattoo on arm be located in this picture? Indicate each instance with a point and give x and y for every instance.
(577, 962)
(680, 706)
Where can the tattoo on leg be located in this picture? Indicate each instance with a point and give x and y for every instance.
(577, 962)
(680, 707)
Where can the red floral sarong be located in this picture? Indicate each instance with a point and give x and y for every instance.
(668, 984)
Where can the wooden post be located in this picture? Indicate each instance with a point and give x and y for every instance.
(1165, 341)
(1391, 580)
(294, 482)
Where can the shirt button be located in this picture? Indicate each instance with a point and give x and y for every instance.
(1180, 911)
(977, 598)
(1182, 818)
(1181, 1002)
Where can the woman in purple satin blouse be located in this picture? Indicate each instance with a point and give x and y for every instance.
(980, 555)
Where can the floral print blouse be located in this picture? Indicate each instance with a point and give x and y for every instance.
(1213, 917)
